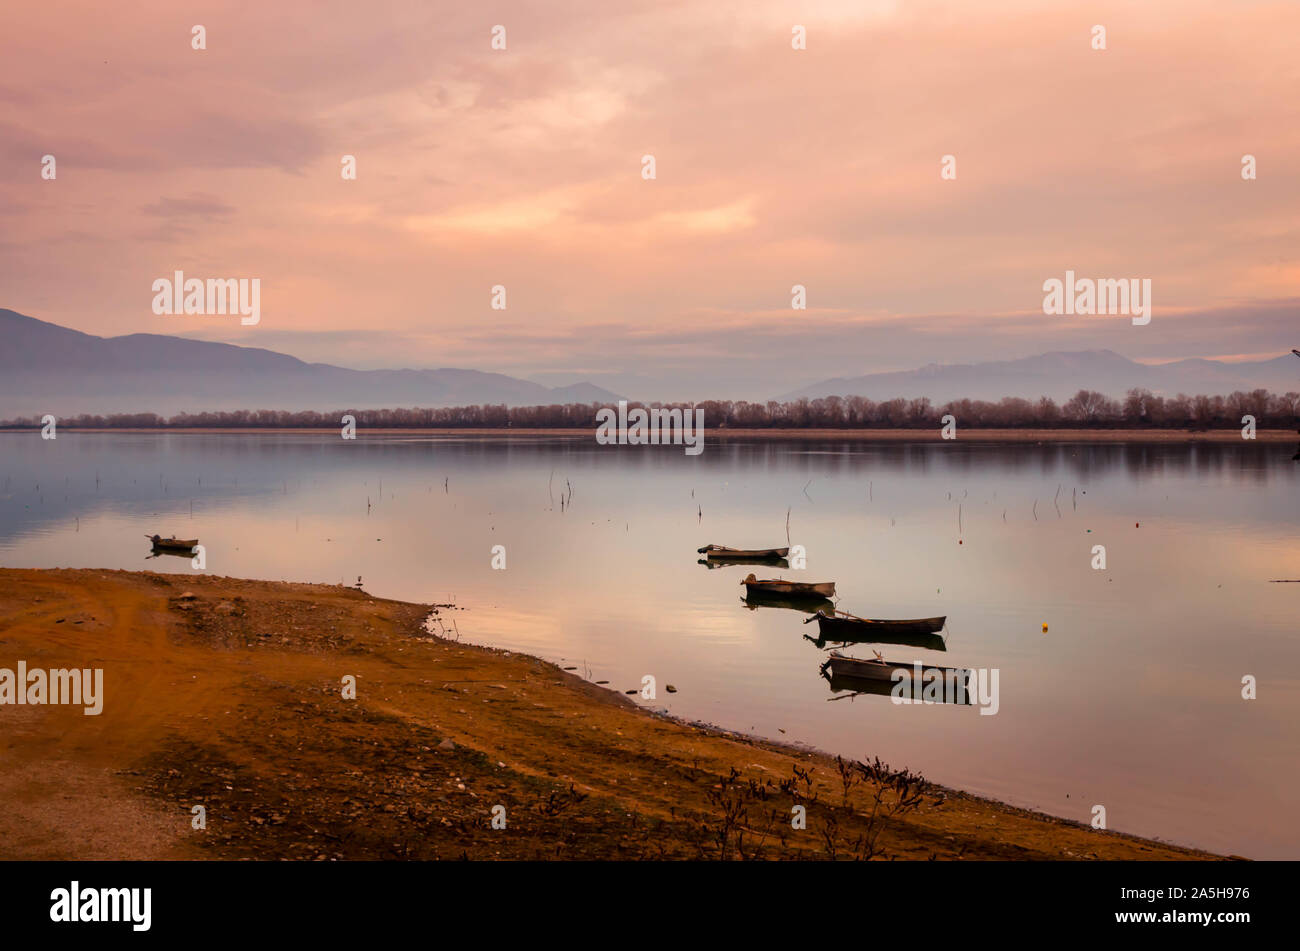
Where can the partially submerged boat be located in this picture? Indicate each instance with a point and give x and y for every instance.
(173, 544)
(840, 625)
(723, 553)
(790, 589)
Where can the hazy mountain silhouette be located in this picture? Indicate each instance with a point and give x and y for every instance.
(45, 368)
(1062, 374)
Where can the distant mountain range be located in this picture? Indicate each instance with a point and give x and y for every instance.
(1062, 374)
(45, 368)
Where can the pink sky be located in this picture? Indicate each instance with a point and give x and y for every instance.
(775, 167)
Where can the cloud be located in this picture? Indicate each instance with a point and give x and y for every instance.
(196, 206)
(775, 167)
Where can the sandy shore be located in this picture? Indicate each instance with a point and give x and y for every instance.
(228, 694)
(964, 434)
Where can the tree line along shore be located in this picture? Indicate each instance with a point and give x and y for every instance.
(1086, 410)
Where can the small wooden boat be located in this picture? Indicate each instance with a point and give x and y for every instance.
(722, 553)
(790, 589)
(840, 625)
(173, 544)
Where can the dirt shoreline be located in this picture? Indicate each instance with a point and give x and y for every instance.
(964, 434)
(227, 693)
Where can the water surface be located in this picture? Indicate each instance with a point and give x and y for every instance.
(1131, 699)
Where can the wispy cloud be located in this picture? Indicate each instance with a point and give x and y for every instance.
(775, 167)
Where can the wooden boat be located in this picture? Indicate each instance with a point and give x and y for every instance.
(722, 553)
(840, 625)
(759, 599)
(790, 589)
(840, 667)
(173, 544)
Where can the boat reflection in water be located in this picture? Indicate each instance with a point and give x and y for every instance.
(852, 686)
(762, 599)
(929, 642)
(772, 562)
(914, 683)
(160, 552)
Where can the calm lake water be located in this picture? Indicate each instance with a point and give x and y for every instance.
(1131, 699)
